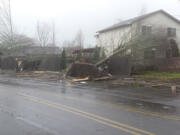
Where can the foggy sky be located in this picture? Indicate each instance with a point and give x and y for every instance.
(87, 15)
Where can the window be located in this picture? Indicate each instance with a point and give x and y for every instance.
(146, 30)
(171, 32)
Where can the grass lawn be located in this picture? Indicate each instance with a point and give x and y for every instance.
(159, 75)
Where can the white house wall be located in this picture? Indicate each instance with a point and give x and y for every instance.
(111, 39)
(160, 20)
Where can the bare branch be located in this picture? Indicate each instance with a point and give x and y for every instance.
(6, 24)
(43, 34)
(79, 39)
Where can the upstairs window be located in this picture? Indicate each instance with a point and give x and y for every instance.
(171, 32)
(146, 30)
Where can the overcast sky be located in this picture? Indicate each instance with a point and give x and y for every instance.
(88, 15)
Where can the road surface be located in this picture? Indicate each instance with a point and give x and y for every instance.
(36, 107)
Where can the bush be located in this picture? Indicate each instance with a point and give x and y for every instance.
(63, 63)
(31, 65)
(8, 63)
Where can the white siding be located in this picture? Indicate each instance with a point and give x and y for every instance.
(160, 20)
(110, 39)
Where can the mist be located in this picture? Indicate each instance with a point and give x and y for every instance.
(90, 16)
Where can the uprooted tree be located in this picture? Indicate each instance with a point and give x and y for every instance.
(143, 49)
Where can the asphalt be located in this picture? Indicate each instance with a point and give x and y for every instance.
(39, 107)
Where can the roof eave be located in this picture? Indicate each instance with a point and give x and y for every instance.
(109, 29)
(166, 13)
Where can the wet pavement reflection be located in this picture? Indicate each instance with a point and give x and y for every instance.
(138, 107)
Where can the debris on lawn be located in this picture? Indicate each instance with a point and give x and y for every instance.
(39, 72)
(80, 80)
(173, 89)
(158, 85)
(103, 78)
(83, 72)
(83, 82)
(48, 75)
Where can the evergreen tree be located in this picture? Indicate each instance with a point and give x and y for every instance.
(96, 56)
(63, 60)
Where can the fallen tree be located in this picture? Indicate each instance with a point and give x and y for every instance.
(82, 70)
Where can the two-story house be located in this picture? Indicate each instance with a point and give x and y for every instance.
(109, 38)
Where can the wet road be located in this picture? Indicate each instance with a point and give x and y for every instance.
(36, 107)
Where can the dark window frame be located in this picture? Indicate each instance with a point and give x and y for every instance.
(146, 30)
(171, 32)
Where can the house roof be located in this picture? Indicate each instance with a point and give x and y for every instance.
(132, 20)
